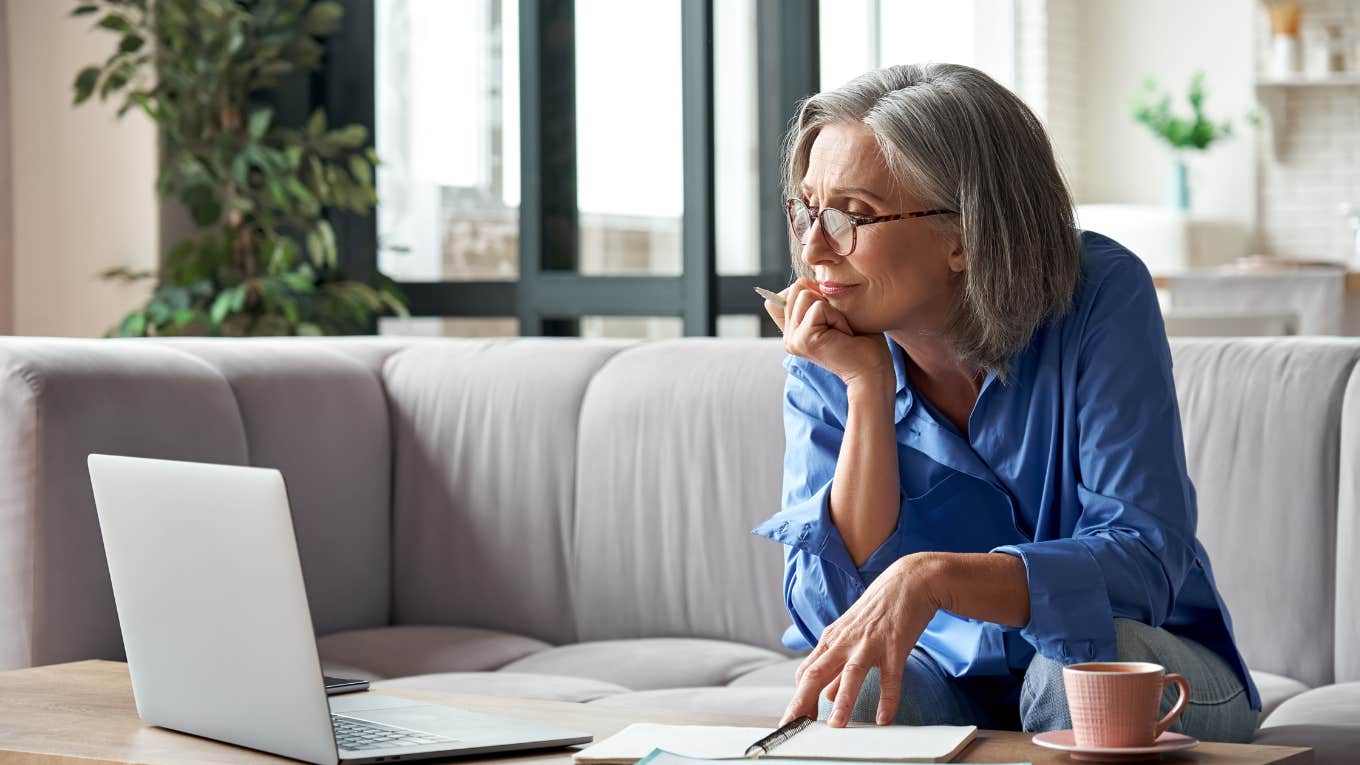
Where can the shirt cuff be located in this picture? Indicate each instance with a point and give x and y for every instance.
(807, 526)
(1070, 619)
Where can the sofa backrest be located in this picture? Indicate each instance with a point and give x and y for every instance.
(1348, 539)
(1262, 423)
(485, 454)
(573, 490)
(314, 409)
(680, 455)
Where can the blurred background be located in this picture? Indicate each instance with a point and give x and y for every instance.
(610, 167)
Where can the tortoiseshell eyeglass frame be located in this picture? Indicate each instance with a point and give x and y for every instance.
(791, 208)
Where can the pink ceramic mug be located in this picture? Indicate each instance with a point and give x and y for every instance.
(1115, 704)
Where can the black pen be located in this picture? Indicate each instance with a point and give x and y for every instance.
(782, 734)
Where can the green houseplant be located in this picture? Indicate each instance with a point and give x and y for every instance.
(263, 259)
(1151, 107)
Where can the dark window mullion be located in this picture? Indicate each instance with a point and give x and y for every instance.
(787, 69)
(347, 91)
(549, 225)
(787, 45)
(699, 238)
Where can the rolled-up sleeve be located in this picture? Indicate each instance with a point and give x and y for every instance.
(1133, 543)
(821, 580)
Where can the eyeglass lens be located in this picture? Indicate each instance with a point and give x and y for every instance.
(837, 230)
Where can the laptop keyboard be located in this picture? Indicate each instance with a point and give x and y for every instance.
(355, 734)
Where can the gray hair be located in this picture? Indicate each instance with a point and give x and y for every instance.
(961, 141)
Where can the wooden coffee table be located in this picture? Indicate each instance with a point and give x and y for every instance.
(83, 714)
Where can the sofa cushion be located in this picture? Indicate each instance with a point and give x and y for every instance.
(420, 650)
(650, 663)
(1275, 690)
(520, 685)
(681, 453)
(1329, 705)
(319, 416)
(1331, 744)
(770, 702)
(772, 674)
(60, 400)
(485, 453)
(1261, 418)
(1348, 540)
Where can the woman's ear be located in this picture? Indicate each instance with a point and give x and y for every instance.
(958, 262)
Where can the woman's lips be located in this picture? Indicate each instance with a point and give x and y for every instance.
(831, 289)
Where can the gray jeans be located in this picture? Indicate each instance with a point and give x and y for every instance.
(1219, 709)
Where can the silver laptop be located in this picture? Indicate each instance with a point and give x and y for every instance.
(219, 637)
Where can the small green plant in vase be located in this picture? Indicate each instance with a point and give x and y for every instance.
(263, 260)
(1151, 107)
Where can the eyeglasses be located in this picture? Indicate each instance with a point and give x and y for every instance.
(839, 227)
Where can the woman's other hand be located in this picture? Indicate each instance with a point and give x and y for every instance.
(879, 630)
(813, 329)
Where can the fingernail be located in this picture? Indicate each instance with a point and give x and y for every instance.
(883, 718)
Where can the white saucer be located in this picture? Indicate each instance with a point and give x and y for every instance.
(1066, 741)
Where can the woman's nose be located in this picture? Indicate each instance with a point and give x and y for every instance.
(817, 250)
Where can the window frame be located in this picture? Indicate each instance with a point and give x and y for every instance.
(550, 296)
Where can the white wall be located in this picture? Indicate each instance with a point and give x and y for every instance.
(83, 196)
(1318, 166)
(1122, 43)
(6, 232)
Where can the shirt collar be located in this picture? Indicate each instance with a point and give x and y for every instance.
(899, 359)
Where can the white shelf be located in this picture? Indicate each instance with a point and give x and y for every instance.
(1303, 81)
(1273, 95)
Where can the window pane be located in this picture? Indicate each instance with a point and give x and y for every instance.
(859, 35)
(424, 326)
(629, 136)
(447, 132)
(736, 196)
(644, 327)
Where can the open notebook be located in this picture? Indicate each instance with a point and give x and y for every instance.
(818, 741)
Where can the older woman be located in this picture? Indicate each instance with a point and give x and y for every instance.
(985, 477)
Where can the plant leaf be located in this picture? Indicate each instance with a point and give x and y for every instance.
(85, 82)
(323, 19)
(259, 122)
(349, 136)
(317, 124)
(134, 325)
(220, 307)
(116, 23)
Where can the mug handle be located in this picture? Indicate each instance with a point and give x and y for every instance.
(1179, 706)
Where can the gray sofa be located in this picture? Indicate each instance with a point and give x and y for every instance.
(570, 519)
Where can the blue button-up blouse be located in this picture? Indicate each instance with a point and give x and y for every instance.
(1075, 464)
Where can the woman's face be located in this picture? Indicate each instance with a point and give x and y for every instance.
(904, 272)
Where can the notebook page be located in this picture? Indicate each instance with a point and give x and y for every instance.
(926, 743)
(703, 741)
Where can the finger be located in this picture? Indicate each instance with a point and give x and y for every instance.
(810, 660)
(852, 679)
(830, 693)
(776, 312)
(889, 692)
(823, 314)
(801, 299)
(802, 303)
(817, 677)
(800, 287)
(836, 319)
